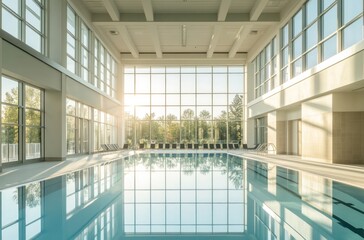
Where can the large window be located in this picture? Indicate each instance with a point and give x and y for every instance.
(105, 69)
(317, 32)
(266, 64)
(22, 119)
(187, 104)
(105, 129)
(78, 127)
(24, 19)
(78, 41)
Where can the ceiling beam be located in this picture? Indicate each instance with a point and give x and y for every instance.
(128, 41)
(156, 42)
(241, 36)
(112, 9)
(148, 10)
(223, 10)
(257, 9)
(205, 18)
(214, 40)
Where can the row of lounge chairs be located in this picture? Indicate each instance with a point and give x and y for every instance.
(113, 147)
(191, 146)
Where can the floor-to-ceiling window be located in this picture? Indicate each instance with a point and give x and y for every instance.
(22, 121)
(183, 104)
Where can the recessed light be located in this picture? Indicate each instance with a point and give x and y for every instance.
(114, 32)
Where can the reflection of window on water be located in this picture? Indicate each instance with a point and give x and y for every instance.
(184, 193)
(85, 185)
(21, 210)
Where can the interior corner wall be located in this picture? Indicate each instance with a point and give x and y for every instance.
(317, 124)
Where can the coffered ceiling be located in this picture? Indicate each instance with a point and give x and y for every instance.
(157, 29)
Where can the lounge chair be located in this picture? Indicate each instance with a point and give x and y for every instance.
(245, 146)
(189, 145)
(152, 146)
(126, 146)
(212, 146)
(141, 146)
(231, 146)
(181, 146)
(218, 146)
(174, 145)
(205, 146)
(236, 145)
(224, 146)
(160, 145)
(104, 147)
(167, 146)
(196, 146)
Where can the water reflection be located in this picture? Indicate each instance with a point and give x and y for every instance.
(170, 196)
(184, 193)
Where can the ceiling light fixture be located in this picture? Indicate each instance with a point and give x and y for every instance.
(114, 32)
(184, 35)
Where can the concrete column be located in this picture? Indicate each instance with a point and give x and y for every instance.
(55, 124)
(57, 27)
(250, 131)
(317, 133)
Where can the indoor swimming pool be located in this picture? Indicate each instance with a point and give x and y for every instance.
(183, 196)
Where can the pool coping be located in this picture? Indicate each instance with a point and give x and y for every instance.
(28, 173)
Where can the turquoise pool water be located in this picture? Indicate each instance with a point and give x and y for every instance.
(183, 196)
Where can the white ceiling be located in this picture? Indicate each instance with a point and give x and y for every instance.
(212, 27)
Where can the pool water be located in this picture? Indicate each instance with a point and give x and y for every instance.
(183, 196)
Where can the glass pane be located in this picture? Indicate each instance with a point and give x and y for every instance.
(70, 107)
(128, 83)
(32, 117)
(10, 23)
(158, 99)
(32, 97)
(9, 143)
(172, 131)
(351, 9)
(9, 206)
(32, 142)
(311, 58)
(204, 99)
(329, 48)
(33, 39)
(188, 83)
(158, 83)
(172, 113)
(158, 113)
(9, 114)
(297, 67)
(188, 99)
(326, 3)
(204, 83)
(329, 22)
(297, 47)
(142, 83)
(14, 5)
(219, 113)
(353, 33)
(9, 91)
(34, 20)
(219, 99)
(285, 35)
(84, 35)
(311, 11)
(71, 21)
(173, 83)
(71, 65)
(236, 83)
(297, 24)
(71, 133)
(187, 128)
(311, 36)
(173, 99)
(220, 83)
